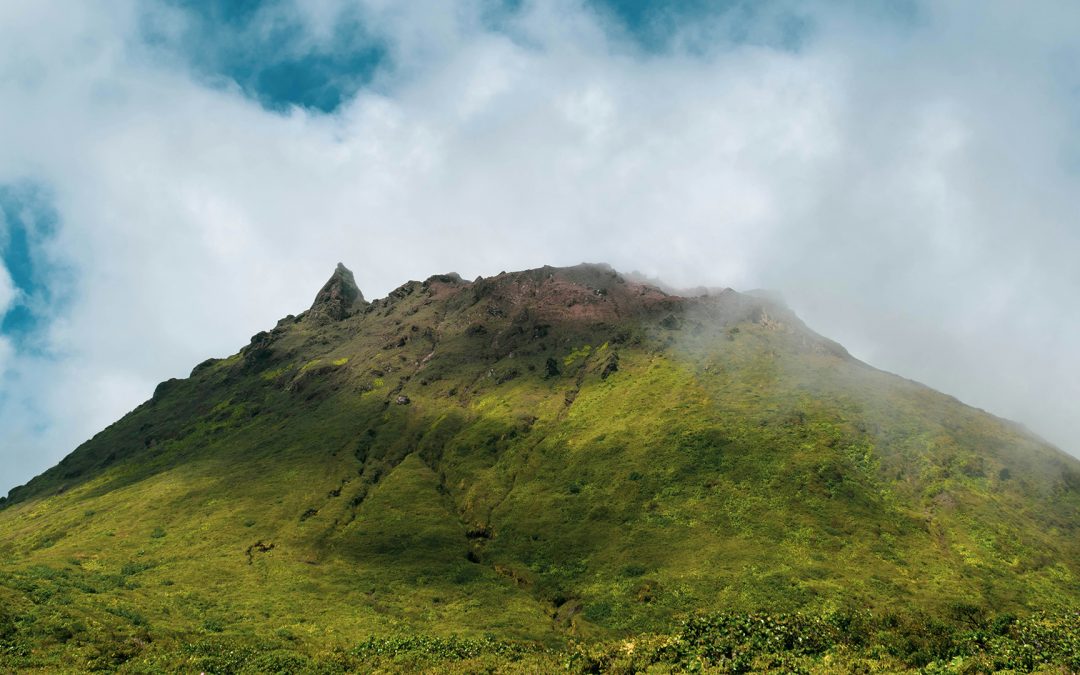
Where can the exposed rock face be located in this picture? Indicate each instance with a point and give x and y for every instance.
(258, 351)
(338, 298)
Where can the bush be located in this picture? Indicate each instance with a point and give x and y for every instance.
(754, 642)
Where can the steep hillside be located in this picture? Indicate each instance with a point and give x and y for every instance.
(536, 456)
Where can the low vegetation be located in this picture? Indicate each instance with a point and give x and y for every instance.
(964, 642)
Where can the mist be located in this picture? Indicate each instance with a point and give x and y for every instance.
(906, 181)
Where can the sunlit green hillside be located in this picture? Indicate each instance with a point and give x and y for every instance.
(520, 461)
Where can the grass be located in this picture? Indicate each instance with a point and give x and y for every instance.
(281, 510)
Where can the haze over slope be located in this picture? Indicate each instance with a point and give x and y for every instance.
(541, 454)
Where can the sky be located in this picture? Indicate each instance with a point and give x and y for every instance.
(176, 175)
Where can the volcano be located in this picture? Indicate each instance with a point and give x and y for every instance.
(541, 456)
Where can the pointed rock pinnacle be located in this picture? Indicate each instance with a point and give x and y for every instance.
(338, 298)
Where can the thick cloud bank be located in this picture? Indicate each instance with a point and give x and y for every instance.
(907, 180)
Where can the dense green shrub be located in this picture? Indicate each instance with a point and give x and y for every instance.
(439, 648)
(718, 642)
(736, 643)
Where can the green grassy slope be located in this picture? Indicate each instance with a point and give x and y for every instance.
(538, 456)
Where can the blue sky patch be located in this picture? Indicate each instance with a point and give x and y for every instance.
(261, 47)
(27, 221)
(654, 24)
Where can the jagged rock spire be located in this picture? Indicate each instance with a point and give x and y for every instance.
(338, 298)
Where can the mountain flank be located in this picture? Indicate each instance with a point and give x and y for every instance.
(536, 457)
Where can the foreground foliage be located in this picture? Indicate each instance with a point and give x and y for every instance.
(719, 642)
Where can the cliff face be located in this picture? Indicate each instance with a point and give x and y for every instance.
(544, 453)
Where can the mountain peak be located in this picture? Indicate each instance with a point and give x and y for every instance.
(564, 450)
(338, 296)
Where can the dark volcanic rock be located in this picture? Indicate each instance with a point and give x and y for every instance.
(338, 298)
(259, 351)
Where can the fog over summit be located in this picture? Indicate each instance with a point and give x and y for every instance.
(175, 179)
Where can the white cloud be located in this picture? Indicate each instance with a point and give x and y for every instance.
(904, 186)
(8, 292)
(7, 351)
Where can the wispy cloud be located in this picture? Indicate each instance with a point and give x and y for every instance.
(905, 179)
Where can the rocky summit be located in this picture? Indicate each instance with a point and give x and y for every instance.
(338, 297)
(554, 468)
